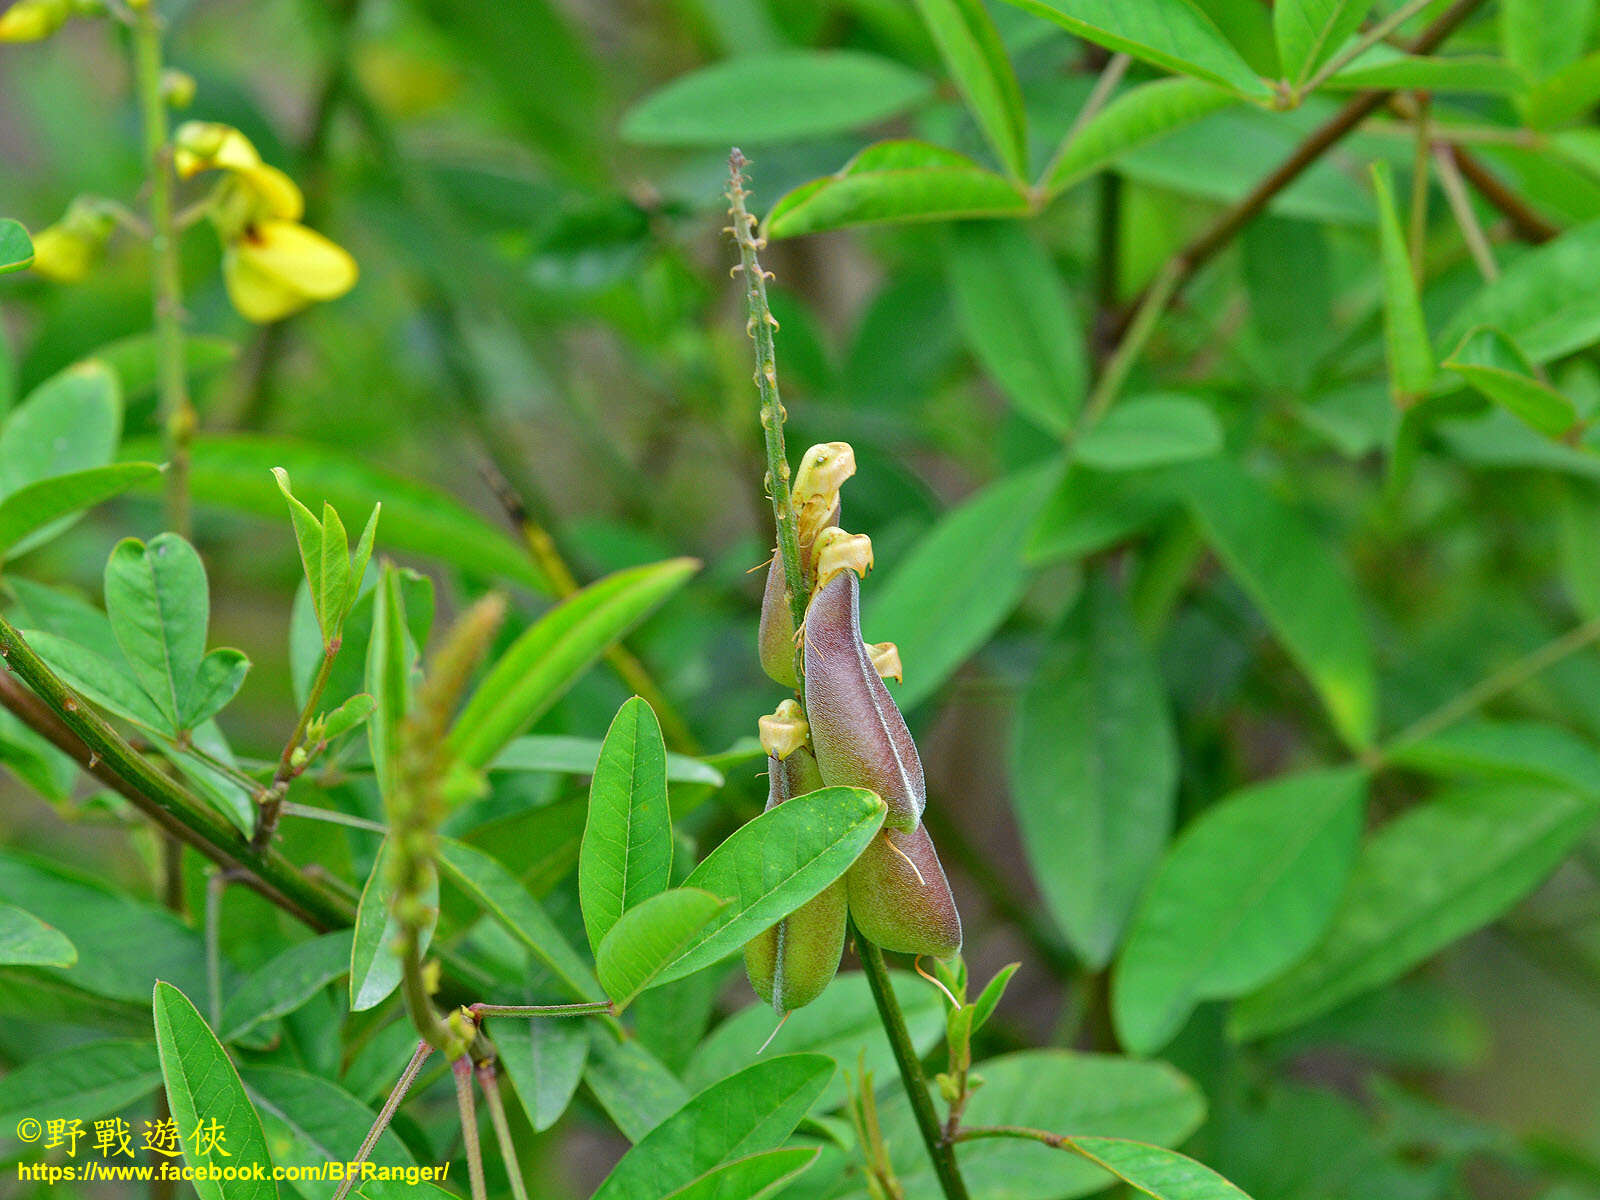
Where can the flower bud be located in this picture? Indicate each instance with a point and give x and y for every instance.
(33, 20)
(860, 738)
(784, 731)
(899, 897)
(64, 252)
(835, 550)
(885, 658)
(177, 88)
(790, 963)
(815, 492)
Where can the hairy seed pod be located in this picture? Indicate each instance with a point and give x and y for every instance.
(814, 499)
(860, 738)
(790, 963)
(899, 897)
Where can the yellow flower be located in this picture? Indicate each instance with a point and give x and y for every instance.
(64, 252)
(33, 20)
(276, 267)
(273, 265)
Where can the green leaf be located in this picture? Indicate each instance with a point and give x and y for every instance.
(1545, 300)
(1092, 1094)
(562, 755)
(218, 681)
(309, 1121)
(1150, 431)
(70, 422)
(325, 554)
(1468, 74)
(1094, 753)
(234, 471)
(754, 1110)
(1565, 96)
(16, 247)
(972, 560)
(285, 982)
(626, 856)
(1276, 557)
(1090, 510)
(1155, 1171)
(1310, 32)
(842, 1024)
(504, 898)
(1405, 333)
(1524, 751)
(26, 941)
(123, 944)
(1137, 117)
(349, 715)
(391, 668)
(136, 360)
(1245, 892)
(989, 999)
(1495, 367)
(648, 936)
(777, 96)
(32, 507)
(93, 1080)
(202, 1085)
(1019, 320)
(1428, 877)
(892, 182)
(374, 965)
(102, 681)
(1541, 37)
(545, 660)
(771, 865)
(750, 1178)
(972, 50)
(636, 1091)
(545, 1057)
(1170, 33)
(159, 606)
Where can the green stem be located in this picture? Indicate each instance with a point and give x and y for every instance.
(172, 387)
(216, 881)
(462, 1069)
(488, 1081)
(760, 326)
(386, 1114)
(272, 799)
(1121, 363)
(64, 717)
(1507, 679)
(940, 1150)
(588, 1007)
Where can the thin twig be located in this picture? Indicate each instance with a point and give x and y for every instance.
(1527, 223)
(1104, 86)
(1507, 679)
(488, 1081)
(386, 1114)
(1455, 192)
(461, 1068)
(1361, 45)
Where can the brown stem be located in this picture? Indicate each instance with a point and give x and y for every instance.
(1528, 224)
(1188, 261)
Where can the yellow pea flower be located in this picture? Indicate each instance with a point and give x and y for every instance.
(273, 265)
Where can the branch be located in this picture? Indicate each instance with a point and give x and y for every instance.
(65, 719)
(1187, 262)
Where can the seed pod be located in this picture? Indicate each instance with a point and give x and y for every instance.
(860, 738)
(815, 501)
(899, 897)
(790, 963)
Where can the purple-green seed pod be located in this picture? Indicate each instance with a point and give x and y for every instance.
(792, 962)
(775, 637)
(860, 738)
(899, 897)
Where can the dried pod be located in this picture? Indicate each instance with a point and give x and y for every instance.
(859, 736)
(790, 963)
(775, 637)
(899, 897)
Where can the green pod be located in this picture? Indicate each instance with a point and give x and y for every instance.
(899, 897)
(792, 962)
(775, 637)
(860, 738)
